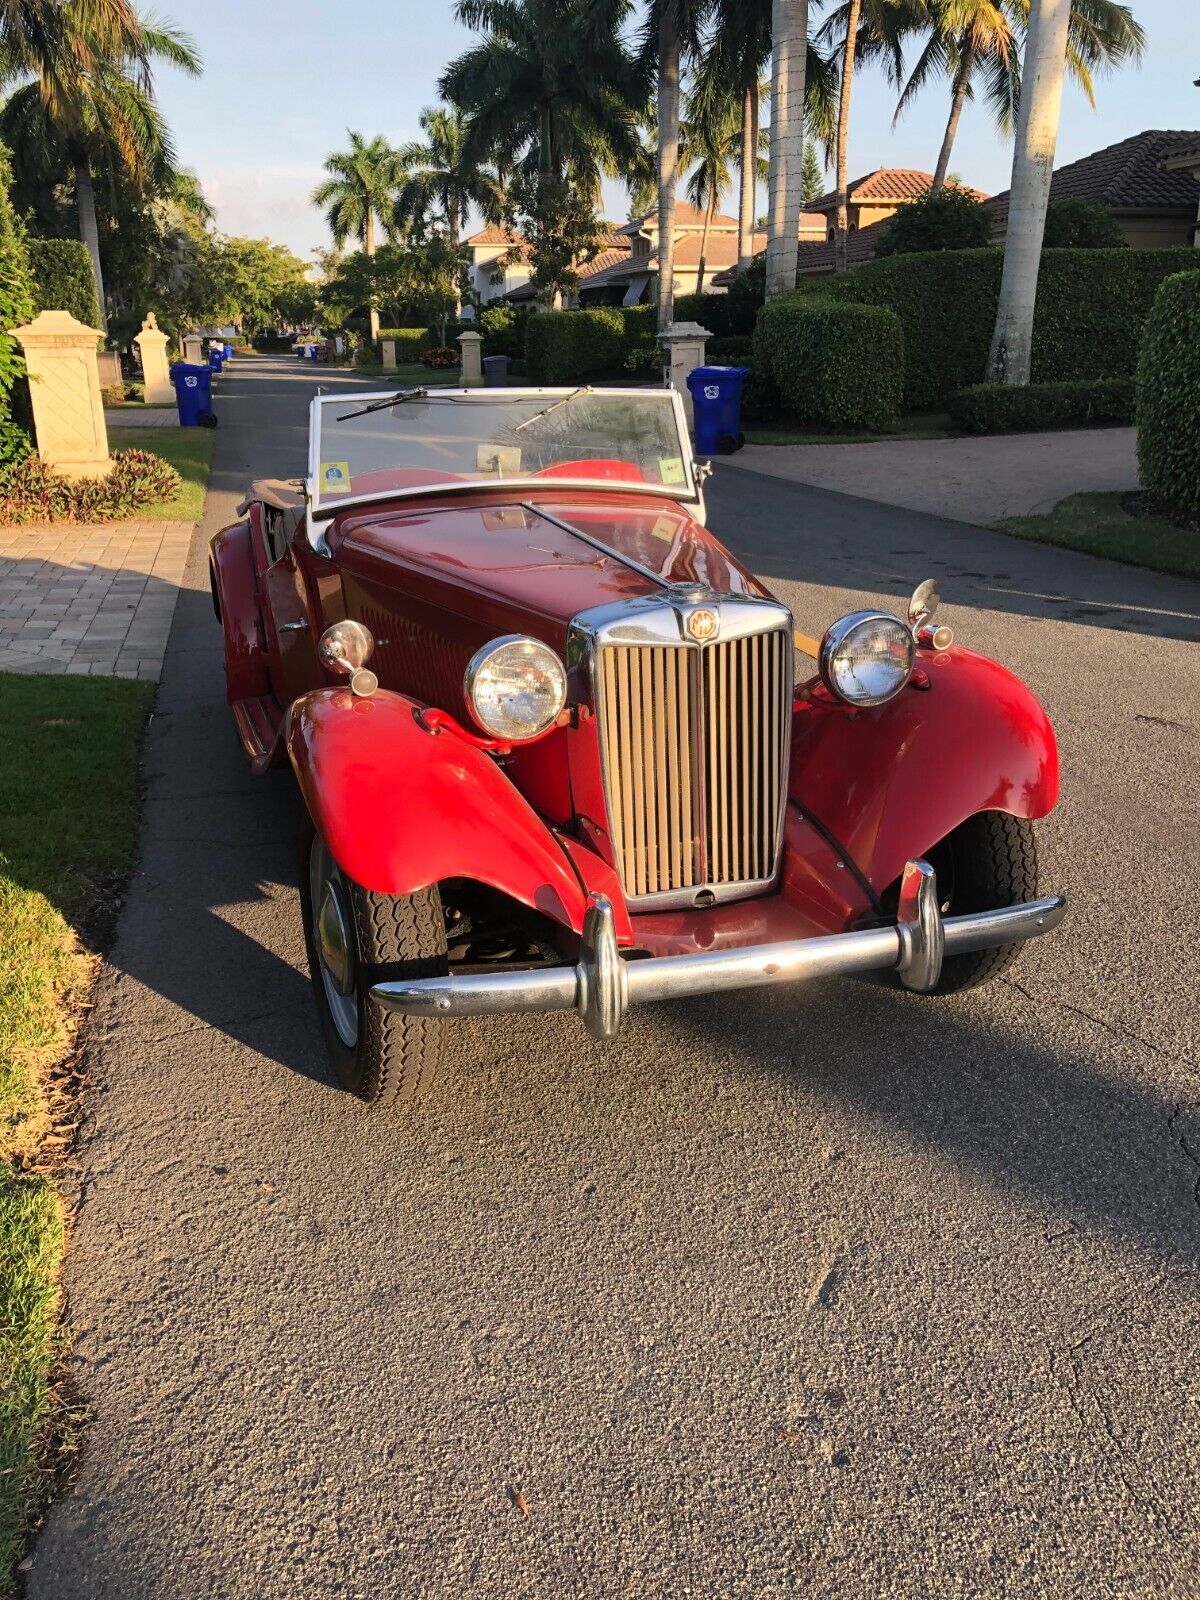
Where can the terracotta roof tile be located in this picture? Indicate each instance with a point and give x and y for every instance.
(686, 216)
(493, 235)
(885, 183)
(1127, 176)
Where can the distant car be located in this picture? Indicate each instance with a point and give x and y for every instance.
(553, 750)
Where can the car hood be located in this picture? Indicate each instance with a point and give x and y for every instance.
(516, 561)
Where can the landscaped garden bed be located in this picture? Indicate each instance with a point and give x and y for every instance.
(1136, 528)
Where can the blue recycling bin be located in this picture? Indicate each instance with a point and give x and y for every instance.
(216, 357)
(228, 348)
(193, 394)
(717, 408)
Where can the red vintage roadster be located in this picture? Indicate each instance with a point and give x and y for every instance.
(554, 749)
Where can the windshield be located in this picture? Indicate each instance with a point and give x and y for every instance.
(374, 445)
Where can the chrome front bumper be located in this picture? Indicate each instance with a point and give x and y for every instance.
(603, 983)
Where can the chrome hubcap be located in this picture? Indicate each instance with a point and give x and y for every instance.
(333, 940)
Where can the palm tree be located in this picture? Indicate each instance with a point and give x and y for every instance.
(550, 93)
(867, 30)
(711, 138)
(738, 54)
(86, 96)
(672, 33)
(1033, 164)
(438, 177)
(785, 176)
(360, 188)
(968, 37)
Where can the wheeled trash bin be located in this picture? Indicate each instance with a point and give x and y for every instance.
(717, 408)
(193, 394)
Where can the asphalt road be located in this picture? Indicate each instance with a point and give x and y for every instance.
(837, 1292)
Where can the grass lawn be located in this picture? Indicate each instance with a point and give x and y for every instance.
(922, 425)
(68, 801)
(1098, 525)
(190, 452)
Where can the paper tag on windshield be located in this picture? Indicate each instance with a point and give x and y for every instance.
(671, 469)
(334, 477)
(664, 528)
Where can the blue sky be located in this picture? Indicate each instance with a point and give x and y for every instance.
(284, 81)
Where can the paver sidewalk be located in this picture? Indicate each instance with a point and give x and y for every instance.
(966, 480)
(90, 599)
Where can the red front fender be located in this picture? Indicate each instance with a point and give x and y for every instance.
(889, 783)
(401, 808)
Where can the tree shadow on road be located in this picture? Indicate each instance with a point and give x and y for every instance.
(794, 533)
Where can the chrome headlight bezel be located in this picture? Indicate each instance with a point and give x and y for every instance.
(843, 632)
(475, 684)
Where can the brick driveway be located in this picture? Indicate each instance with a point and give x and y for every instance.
(90, 599)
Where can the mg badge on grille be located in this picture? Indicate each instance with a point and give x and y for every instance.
(702, 625)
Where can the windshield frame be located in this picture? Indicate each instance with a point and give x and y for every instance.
(319, 512)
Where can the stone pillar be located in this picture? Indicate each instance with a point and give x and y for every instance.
(471, 345)
(64, 386)
(156, 369)
(108, 365)
(193, 349)
(683, 351)
(389, 353)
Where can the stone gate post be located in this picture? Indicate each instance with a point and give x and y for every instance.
(64, 386)
(152, 344)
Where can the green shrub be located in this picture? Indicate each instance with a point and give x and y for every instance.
(571, 346)
(722, 314)
(1003, 408)
(1091, 305)
(1081, 225)
(832, 362)
(643, 358)
(409, 342)
(503, 330)
(16, 308)
(441, 358)
(30, 491)
(641, 324)
(761, 400)
(63, 279)
(951, 219)
(733, 351)
(1168, 393)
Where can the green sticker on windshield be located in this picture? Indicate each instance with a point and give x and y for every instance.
(335, 477)
(671, 469)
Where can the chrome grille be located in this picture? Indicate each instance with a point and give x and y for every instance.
(694, 743)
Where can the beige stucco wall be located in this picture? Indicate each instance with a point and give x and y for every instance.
(1156, 233)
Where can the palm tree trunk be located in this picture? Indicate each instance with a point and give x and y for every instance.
(749, 168)
(369, 247)
(709, 209)
(785, 182)
(841, 223)
(961, 80)
(1033, 164)
(668, 162)
(89, 231)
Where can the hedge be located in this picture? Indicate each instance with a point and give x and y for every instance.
(16, 308)
(724, 315)
(1168, 393)
(570, 346)
(1003, 408)
(1091, 307)
(641, 324)
(503, 330)
(63, 279)
(835, 363)
(409, 342)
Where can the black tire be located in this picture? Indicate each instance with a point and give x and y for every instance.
(989, 861)
(392, 1056)
(208, 419)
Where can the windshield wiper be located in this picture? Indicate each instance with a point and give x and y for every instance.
(396, 399)
(546, 410)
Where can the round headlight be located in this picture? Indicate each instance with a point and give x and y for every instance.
(867, 657)
(515, 687)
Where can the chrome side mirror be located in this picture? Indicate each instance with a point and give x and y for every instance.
(925, 601)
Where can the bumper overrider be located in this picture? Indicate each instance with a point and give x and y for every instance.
(602, 983)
